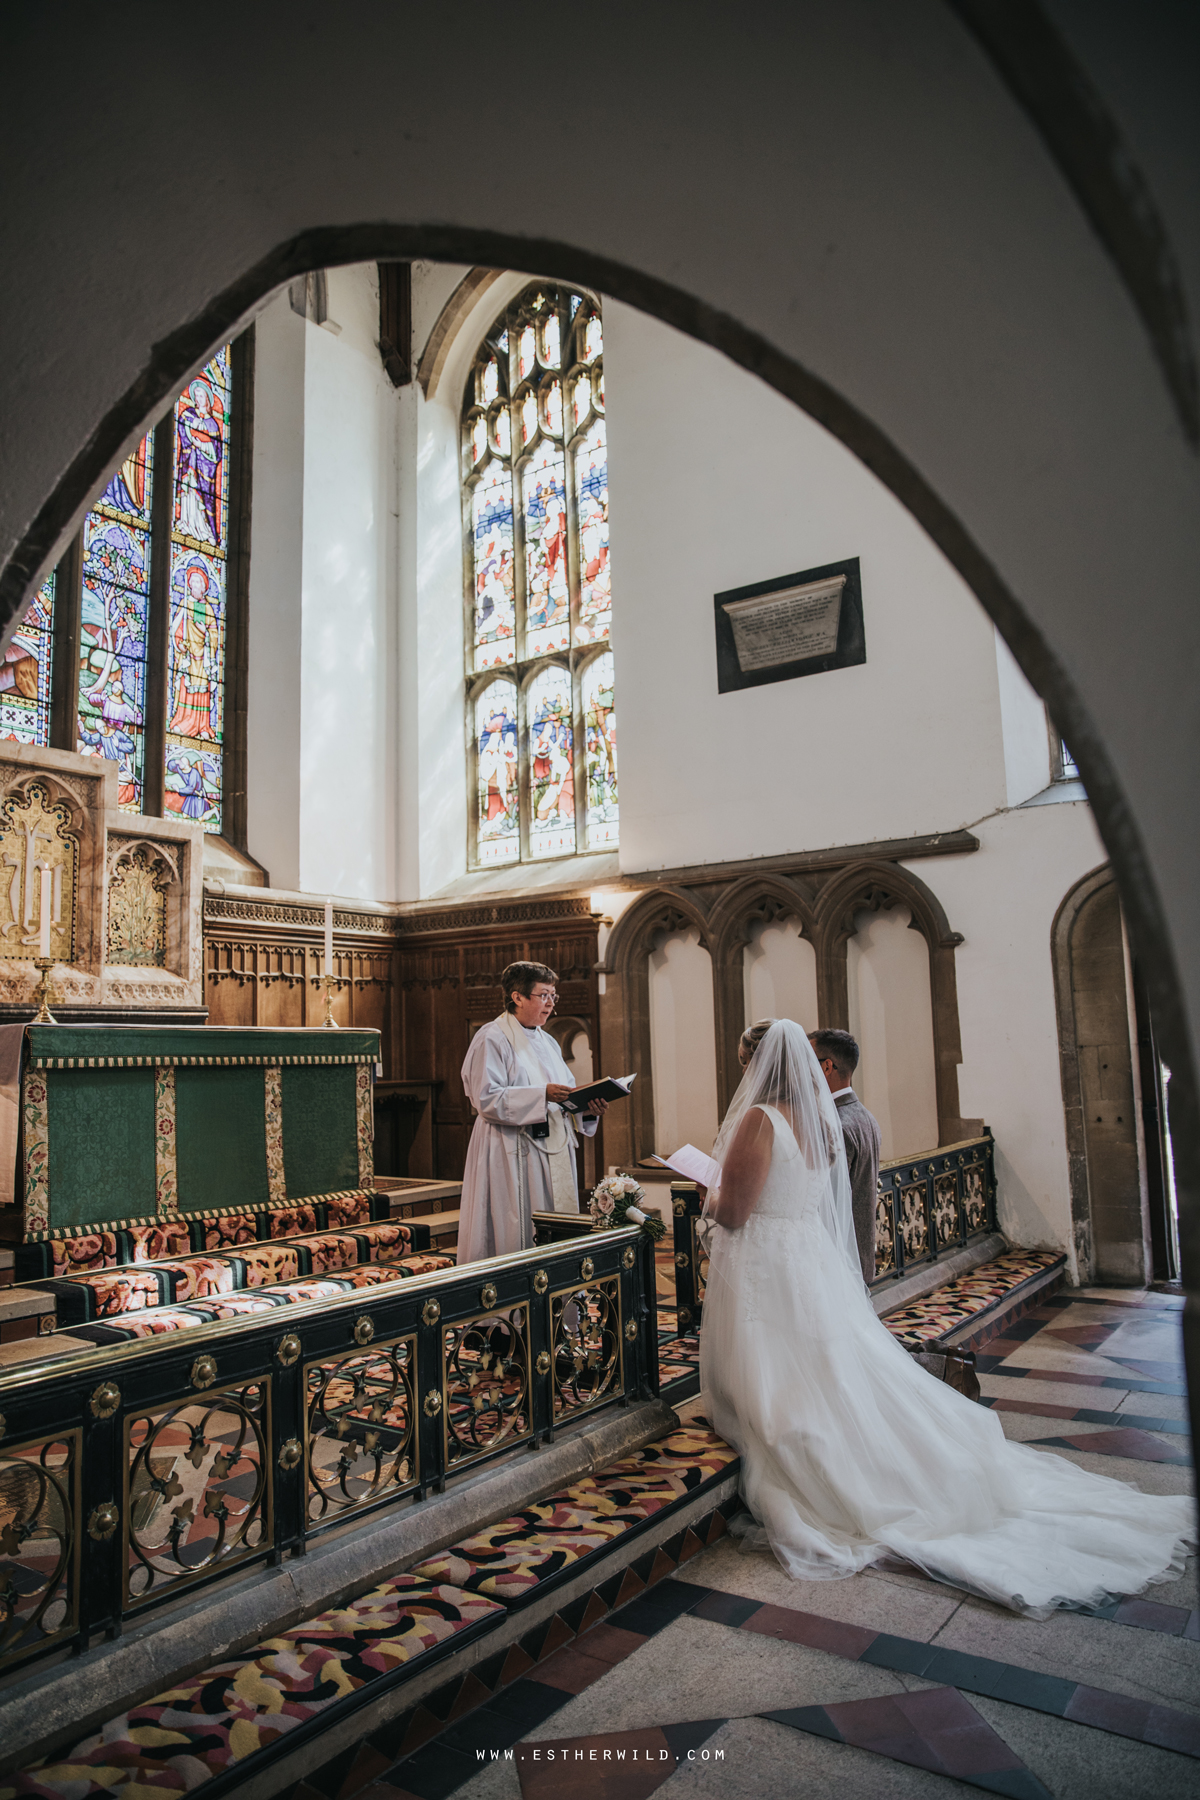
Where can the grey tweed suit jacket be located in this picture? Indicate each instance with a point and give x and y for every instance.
(860, 1129)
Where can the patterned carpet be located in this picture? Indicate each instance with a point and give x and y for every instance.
(222, 1724)
(984, 1291)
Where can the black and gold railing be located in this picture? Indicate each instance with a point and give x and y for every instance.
(928, 1206)
(132, 1476)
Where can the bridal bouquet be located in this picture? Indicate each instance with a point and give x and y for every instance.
(614, 1203)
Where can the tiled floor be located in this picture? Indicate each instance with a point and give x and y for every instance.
(729, 1679)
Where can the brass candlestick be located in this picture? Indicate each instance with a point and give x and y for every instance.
(330, 982)
(44, 1016)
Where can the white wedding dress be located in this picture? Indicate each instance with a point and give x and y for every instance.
(851, 1451)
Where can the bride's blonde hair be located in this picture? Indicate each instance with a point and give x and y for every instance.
(753, 1036)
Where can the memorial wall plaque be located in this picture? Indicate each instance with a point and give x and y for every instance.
(802, 624)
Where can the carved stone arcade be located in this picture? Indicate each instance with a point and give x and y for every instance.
(125, 894)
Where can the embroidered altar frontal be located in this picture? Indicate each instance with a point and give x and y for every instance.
(124, 1125)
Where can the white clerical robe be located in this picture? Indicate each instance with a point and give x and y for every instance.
(508, 1175)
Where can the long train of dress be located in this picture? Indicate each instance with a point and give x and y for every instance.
(851, 1451)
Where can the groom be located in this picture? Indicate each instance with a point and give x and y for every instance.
(837, 1053)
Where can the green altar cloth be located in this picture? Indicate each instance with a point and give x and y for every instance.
(125, 1124)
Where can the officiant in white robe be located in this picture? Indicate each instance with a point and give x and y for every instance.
(521, 1158)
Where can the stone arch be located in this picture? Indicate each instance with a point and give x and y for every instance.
(874, 886)
(976, 493)
(1100, 1084)
(759, 899)
(625, 1010)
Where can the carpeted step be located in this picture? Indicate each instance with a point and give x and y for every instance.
(211, 1730)
(201, 1276)
(219, 1728)
(154, 1320)
(518, 1559)
(972, 1308)
(79, 1251)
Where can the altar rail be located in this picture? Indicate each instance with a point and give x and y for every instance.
(928, 1207)
(932, 1205)
(132, 1476)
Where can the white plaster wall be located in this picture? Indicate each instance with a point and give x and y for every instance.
(1026, 730)
(1003, 898)
(276, 564)
(683, 1044)
(780, 974)
(348, 692)
(891, 1016)
(433, 663)
(715, 483)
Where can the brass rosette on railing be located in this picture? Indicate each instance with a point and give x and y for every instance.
(361, 1439)
(198, 1488)
(486, 1383)
(585, 1339)
(38, 1597)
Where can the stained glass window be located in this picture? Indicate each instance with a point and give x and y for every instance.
(539, 595)
(196, 621)
(25, 673)
(119, 600)
(492, 544)
(551, 719)
(497, 804)
(600, 728)
(114, 625)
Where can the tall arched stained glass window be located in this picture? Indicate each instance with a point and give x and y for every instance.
(115, 625)
(538, 587)
(196, 628)
(148, 692)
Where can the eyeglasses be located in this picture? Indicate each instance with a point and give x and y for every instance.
(551, 996)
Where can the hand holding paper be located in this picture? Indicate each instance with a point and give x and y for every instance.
(693, 1165)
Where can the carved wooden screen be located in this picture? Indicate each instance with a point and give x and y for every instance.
(138, 610)
(541, 717)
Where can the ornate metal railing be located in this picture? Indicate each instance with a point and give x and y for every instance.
(132, 1475)
(690, 1262)
(931, 1205)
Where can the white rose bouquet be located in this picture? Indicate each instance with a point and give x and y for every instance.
(616, 1201)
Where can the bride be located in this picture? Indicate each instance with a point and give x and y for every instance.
(850, 1451)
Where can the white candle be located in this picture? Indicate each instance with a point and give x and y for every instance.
(329, 937)
(44, 914)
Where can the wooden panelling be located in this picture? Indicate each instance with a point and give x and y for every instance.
(449, 985)
(427, 981)
(262, 966)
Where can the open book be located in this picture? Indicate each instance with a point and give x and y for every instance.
(612, 1087)
(693, 1165)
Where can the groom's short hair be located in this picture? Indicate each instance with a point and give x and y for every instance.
(840, 1048)
(524, 977)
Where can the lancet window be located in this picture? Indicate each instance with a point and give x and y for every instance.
(541, 716)
(123, 653)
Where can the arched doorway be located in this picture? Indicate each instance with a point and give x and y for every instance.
(1101, 1086)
